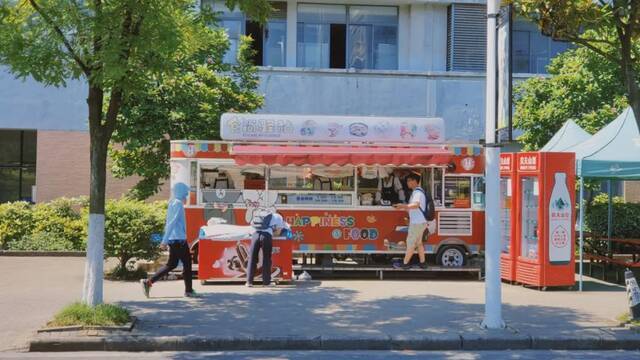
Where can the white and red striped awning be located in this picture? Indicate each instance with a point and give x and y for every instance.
(339, 155)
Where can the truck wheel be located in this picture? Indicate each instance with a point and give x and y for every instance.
(452, 256)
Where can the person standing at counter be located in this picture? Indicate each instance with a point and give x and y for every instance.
(390, 191)
(417, 221)
(402, 175)
(175, 239)
(265, 224)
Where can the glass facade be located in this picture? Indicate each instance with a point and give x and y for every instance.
(321, 28)
(275, 46)
(313, 45)
(366, 37)
(232, 21)
(17, 165)
(532, 51)
(269, 40)
(339, 36)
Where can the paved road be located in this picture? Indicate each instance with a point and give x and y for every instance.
(331, 355)
(32, 289)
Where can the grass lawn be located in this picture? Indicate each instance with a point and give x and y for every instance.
(81, 314)
(626, 318)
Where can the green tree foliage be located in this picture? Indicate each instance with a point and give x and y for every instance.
(581, 86)
(117, 47)
(609, 28)
(184, 105)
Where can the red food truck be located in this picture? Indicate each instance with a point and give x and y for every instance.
(332, 190)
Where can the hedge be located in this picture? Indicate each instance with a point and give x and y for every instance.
(16, 222)
(626, 218)
(129, 225)
(61, 225)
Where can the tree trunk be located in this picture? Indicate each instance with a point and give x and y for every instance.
(93, 276)
(124, 259)
(629, 73)
(633, 93)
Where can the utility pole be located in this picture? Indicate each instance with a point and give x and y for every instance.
(492, 284)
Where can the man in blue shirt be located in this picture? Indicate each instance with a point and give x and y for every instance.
(175, 239)
(263, 238)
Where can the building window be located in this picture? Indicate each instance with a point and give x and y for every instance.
(466, 23)
(466, 34)
(269, 41)
(338, 36)
(532, 51)
(17, 165)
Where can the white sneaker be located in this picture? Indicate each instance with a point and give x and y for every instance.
(249, 285)
(271, 285)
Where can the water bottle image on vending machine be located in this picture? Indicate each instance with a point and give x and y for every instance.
(560, 218)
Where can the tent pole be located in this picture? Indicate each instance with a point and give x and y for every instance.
(609, 217)
(581, 230)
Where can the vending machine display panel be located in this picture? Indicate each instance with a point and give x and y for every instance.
(529, 236)
(506, 205)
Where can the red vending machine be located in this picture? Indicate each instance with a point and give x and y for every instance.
(545, 221)
(508, 190)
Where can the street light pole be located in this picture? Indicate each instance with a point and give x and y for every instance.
(492, 284)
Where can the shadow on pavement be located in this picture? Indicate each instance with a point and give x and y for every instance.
(374, 355)
(593, 285)
(316, 310)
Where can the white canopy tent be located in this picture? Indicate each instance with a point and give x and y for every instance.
(569, 135)
(613, 153)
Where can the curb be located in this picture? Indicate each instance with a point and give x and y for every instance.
(42, 253)
(440, 342)
(90, 328)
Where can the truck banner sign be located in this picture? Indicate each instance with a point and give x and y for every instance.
(359, 129)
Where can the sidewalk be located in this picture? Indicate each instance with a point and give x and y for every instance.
(358, 315)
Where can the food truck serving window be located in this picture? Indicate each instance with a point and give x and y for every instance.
(224, 184)
(322, 186)
(311, 178)
(457, 192)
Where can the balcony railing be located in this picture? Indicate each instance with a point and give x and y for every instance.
(457, 97)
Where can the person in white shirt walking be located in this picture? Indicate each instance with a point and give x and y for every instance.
(416, 207)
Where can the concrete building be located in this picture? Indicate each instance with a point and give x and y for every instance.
(331, 57)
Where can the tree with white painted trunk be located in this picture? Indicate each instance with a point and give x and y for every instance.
(116, 47)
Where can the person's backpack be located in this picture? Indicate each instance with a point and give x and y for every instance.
(261, 221)
(430, 211)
